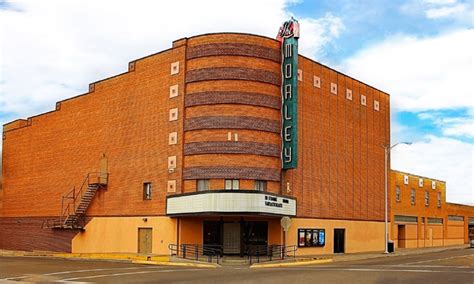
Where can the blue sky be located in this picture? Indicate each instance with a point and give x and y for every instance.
(418, 51)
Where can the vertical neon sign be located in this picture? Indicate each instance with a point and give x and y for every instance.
(288, 36)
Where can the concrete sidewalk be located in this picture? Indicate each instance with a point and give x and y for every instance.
(398, 252)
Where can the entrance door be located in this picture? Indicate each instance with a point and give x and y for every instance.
(144, 240)
(231, 240)
(254, 236)
(401, 236)
(212, 234)
(339, 236)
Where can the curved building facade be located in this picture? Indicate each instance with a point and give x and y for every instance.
(186, 148)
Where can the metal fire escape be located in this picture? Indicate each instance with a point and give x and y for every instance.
(75, 203)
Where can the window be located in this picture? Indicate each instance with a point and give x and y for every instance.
(420, 182)
(439, 199)
(412, 196)
(427, 198)
(260, 185)
(405, 219)
(397, 193)
(202, 184)
(433, 185)
(363, 100)
(147, 191)
(232, 184)
(300, 75)
(455, 218)
(435, 220)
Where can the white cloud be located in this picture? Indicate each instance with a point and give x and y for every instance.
(442, 12)
(316, 34)
(56, 48)
(420, 73)
(462, 126)
(441, 158)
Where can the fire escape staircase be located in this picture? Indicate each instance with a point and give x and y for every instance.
(76, 202)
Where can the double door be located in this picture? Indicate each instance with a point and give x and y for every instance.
(235, 237)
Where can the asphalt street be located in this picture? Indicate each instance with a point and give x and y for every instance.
(452, 266)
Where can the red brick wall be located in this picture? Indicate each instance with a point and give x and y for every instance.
(125, 118)
(340, 170)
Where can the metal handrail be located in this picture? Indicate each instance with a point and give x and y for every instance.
(71, 207)
(271, 252)
(195, 251)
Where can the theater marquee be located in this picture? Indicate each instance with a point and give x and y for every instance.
(288, 36)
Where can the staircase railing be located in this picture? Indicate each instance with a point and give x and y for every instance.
(196, 252)
(269, 253)
(75, 195)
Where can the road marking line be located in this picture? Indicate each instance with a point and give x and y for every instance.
(89, 270)
(128, 273)
(376, 270)
(437, 259)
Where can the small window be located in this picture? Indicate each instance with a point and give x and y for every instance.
(202, 184)
(300, 75)
(433, 185)
(232, 184)
(427, 198)
(363, 100)
(420, 182)
(412, 196)
(260, 185)
(349, 94)
(147, 190)
(333, 88)
(236, 136)
(316, 81)
(397, 193)
(439, 199)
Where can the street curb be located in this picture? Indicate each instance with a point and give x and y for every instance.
(285, 264)
(89, 256)
(185, 264)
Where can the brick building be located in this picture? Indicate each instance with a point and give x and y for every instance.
(184, 148)
(421, 217)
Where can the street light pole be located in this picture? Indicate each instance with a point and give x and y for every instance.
(387, 149)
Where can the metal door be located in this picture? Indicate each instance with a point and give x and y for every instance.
(144, 240)
(339, 236)
(231, 240)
